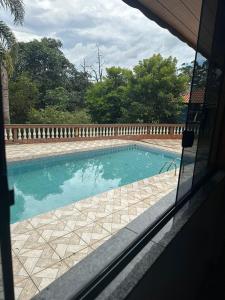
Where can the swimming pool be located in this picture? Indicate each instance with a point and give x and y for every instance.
(48, 183)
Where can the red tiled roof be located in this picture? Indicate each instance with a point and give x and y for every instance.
(197, 96)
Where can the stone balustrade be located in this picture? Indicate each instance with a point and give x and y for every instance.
(34, 133)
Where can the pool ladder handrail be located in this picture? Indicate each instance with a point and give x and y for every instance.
(171, 163)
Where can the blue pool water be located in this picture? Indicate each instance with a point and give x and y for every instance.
(45, 184)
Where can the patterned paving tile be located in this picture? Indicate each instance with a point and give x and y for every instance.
(97, 211)
(21, 227)
(119, 204)
(22, 151)
(77, 220)
(130, 213)
(112, 223)
(38, 259)
(86, 203)
(53, 230)
(19, 273)
(28, 240)
(43, 278)
(73, 259)
(66, 211)
(25, 289)
(68, 244)
(92, 233)
(43, 219)
(46, 246)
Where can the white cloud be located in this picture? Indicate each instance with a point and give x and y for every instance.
(124, 34)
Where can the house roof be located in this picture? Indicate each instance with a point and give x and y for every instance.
(197, 96)
(180, 17)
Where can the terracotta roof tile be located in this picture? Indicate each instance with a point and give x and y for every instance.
(197, 96)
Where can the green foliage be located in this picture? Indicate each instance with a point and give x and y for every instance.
(23, 96)
(150, 93)
(60, 86)
(58, 97)
(104, 98)
(46, 64)
(51, 115)
(47, 88)
(7, 38)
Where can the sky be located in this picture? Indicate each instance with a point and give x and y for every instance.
(123, 33)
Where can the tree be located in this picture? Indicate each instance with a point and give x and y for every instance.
(94, 71)
(23, 96)
(46, 64)
(152, 92)
(104, 99)
(51, 115)
(155, 92)
(97, 72)
(187, 69)
(58, 97)
(7, 42)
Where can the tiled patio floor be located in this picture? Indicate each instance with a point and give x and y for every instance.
(46, 246)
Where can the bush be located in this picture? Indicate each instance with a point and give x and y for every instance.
(51, 115)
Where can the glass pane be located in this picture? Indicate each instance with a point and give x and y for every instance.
(202, 101)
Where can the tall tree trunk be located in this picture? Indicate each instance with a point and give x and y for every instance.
(5, 93)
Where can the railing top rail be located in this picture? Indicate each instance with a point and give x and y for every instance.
(12, 126)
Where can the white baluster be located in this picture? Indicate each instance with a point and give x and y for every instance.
(39, 133)
(65, 133)
(29, 134)
(24, 134)
(69, 132)
(48, 133)
(52, 133)
(6, 135)
(34, 134)
(10, 135)
(43, 133)
(19, 134)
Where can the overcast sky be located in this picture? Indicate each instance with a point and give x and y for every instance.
(124, 34)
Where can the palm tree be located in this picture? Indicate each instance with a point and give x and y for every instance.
(7, 46)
